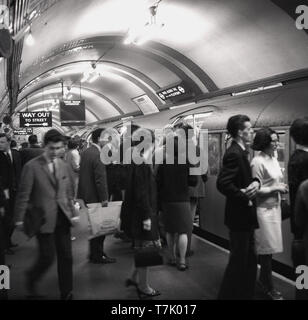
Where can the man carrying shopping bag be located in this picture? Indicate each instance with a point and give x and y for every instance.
(92, 188)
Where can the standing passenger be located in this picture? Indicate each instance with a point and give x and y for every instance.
(31, 152)
(240, 212)
(140, 210)
(45, 196)
(10, 169)
(301, 218)
(297, 173)
(73, 160)
(268, 237)
(92, 188)
(173, 185)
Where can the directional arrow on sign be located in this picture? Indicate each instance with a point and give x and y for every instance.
(37, 124)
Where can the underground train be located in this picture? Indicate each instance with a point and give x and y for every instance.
(274, 106)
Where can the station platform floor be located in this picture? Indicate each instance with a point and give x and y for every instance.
(106, 282)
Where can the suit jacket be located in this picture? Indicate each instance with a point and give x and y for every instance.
(28, 154)
(10, 172)
(92, 186)
(235, 175)
(297, 173)
(301, 214)
(41, 192)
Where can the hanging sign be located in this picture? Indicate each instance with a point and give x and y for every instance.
(72, 113)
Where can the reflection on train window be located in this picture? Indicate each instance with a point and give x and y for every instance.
(214, 153)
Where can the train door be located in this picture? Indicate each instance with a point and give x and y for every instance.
(213, 204)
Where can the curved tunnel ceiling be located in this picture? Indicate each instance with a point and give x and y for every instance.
(208, 44)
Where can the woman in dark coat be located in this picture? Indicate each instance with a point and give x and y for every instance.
(139, 214)
(173, 184)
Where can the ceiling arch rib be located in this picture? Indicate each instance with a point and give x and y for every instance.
(140, 80)
(53, 94)
(165, 56)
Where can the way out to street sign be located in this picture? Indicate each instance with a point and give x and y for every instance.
(35, 119)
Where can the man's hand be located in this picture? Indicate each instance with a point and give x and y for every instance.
(252, 189)
(147, 224)
(75, 221)
(105, 203)
(19, 226)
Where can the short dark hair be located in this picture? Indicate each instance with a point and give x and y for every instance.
(53, 135)
(299, 131)
(96, 134)
(236, 123)
(32, 139)
(73, 144)
(13, 144)
(263, 139)
(4, 135)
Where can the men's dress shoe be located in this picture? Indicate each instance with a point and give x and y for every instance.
(103, 260)
(106, 259)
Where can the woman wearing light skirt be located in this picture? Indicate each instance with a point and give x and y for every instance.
(268, 238)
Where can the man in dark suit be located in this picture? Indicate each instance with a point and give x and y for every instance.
(236, 183)
(297, 173)
(92, 188)
(46, 196)
(10, 170)
(33, 151)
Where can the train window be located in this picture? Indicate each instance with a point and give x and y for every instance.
(214, 153)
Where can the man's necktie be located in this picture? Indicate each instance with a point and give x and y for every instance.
(54, 170)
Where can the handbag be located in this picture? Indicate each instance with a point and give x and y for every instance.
(148, 256)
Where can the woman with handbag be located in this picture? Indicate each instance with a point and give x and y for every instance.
(268, 238)
(173, 184)
(139, 213)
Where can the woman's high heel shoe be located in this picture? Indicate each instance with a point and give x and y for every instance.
(129, 282)
(144, 295)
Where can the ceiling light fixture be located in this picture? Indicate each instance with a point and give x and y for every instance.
(148, 31)
(92, 74)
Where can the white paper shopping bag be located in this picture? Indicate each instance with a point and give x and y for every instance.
(104, 220)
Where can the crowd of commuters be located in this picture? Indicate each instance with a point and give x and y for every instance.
(39, 187)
